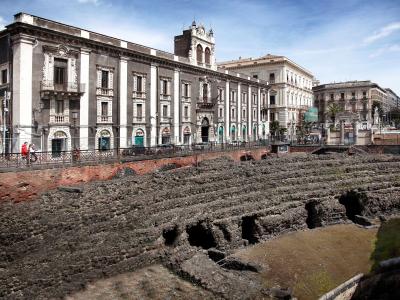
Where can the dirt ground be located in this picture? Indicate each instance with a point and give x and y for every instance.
(313, 262)
(154, 282)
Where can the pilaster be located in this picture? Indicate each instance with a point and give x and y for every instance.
(177, 134)
(123, 102)
(22, 90)
(153, 104)
(227, 111)
(84, 101)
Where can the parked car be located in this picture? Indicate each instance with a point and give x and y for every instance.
(135, 150)
(166, 149)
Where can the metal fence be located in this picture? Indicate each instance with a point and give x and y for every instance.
(76, 157)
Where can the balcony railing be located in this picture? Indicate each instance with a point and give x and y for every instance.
(71, 87)
(59, 118)
(165, 97)
(104, 91)
(139, 95)
(104, 119)
(139, 119)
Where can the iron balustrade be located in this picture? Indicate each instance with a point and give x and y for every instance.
(135, 153)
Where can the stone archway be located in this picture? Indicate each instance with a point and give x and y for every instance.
(205, 130)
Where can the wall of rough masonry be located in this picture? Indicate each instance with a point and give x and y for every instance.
(28, 184)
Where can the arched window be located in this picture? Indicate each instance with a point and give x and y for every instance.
(104, 140)
(199, 53)
(207, 55)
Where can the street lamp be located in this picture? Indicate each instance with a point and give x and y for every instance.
(74, 118)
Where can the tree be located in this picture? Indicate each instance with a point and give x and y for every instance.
(274, 127)
(332, 111)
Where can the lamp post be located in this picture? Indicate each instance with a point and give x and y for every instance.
(74, 118)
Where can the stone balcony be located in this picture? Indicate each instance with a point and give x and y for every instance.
(59, 119)
(50, 87)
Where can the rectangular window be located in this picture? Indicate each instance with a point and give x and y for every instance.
(332, 97)
(233, 96)
(104, 109)
(272, 100)
(164, 87)
(186, 90)
(220, 112)
(220, 94)
(272, 77)
(254, 115)
(59, 107)
(139, 110)
(165, 111)
(254, 99)
(4, 78)
(364, 94)
(353, 95)
(186, 112)
(59, 75)
(272, 117)
(205, 92)
(233, 113)
(342, 96)
(139, 83)
(255, 76)
(243, 114)
(104, 79)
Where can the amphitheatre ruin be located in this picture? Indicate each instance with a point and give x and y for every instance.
(181, 227)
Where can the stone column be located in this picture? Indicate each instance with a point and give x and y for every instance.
(259, 125)
(22, 90)
(177, 135)
(341, 132)
(250, 115)
(239, 112)
(153, 104)
(123, 102)
(227, 111)
(84, 101)
(355, 132)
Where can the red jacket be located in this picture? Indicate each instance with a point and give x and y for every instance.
(24, 150)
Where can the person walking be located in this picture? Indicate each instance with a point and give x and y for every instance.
(24, 150)
(32, 153)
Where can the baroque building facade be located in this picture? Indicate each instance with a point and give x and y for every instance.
(355, 99)
(291, 86)
(73, 88)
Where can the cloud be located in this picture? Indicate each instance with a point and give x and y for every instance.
(383, 32)
(95, 2)
(2, 23)
(383, 50)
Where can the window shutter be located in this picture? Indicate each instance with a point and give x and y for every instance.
(168, 87)
(110, 79)
(189, 90)
(135, 83)
(209, 92)
(201, 90)
(144, 84)
(98, 78)
(183, 89)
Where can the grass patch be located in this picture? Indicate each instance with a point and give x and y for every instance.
(387, 243)
(313, 262)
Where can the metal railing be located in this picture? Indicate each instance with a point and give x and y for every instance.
(135, 153)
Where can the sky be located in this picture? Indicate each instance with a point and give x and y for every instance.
(335, 40)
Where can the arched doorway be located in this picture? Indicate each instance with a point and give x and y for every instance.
(221, 134)
(166, 136)
(104, 140)
(263, 131)
(205, 129)
(58, 143)
(254, 133)
(186, 135)
(244, 133)
(233, 133)
(139, 137)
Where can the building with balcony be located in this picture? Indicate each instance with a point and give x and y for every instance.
(73, 88)
(291, 86)
(356, 99)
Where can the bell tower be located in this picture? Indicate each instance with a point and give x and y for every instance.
(198, 45)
